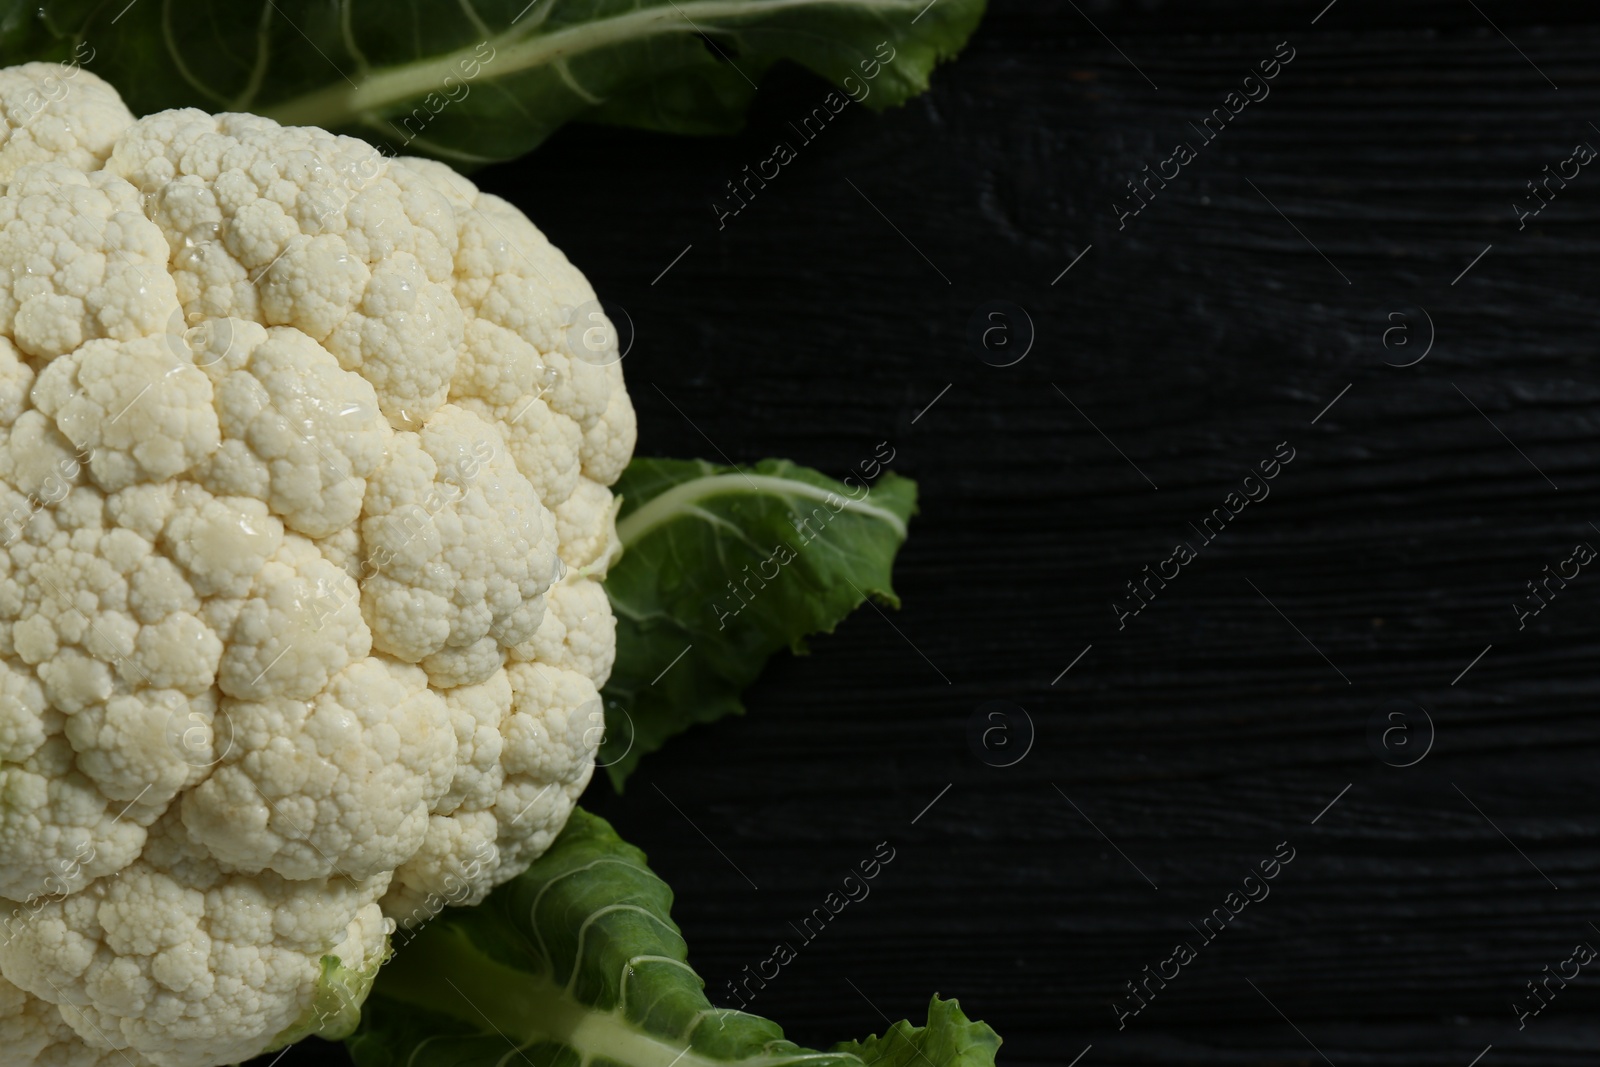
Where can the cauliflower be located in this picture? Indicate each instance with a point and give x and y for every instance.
(303, 512)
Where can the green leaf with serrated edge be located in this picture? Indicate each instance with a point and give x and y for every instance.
(578, 962)
(476, 81)
(721, 568)
(948, 1040)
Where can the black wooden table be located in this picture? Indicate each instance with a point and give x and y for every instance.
(1349, 269)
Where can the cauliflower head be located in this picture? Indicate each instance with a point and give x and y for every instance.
(304, 456)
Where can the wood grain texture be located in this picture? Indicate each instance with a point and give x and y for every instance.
(1229, 713)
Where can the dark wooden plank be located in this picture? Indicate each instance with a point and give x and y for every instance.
(1197, 338)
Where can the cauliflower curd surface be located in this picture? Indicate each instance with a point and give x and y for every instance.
(303, 511)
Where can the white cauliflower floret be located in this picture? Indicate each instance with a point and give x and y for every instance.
(55, 113)
(525, 750)
(278, 643)
(303, 507)
(555, 726)
(37, 1033)
(302, 434)
(175, 962)
(140, 413)
(462, 547)
(297, 227)
(134, 746)
(586, 523)
(578, 633)
(338, 784)
(83, 261)
(477, 714)
(58, 830)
